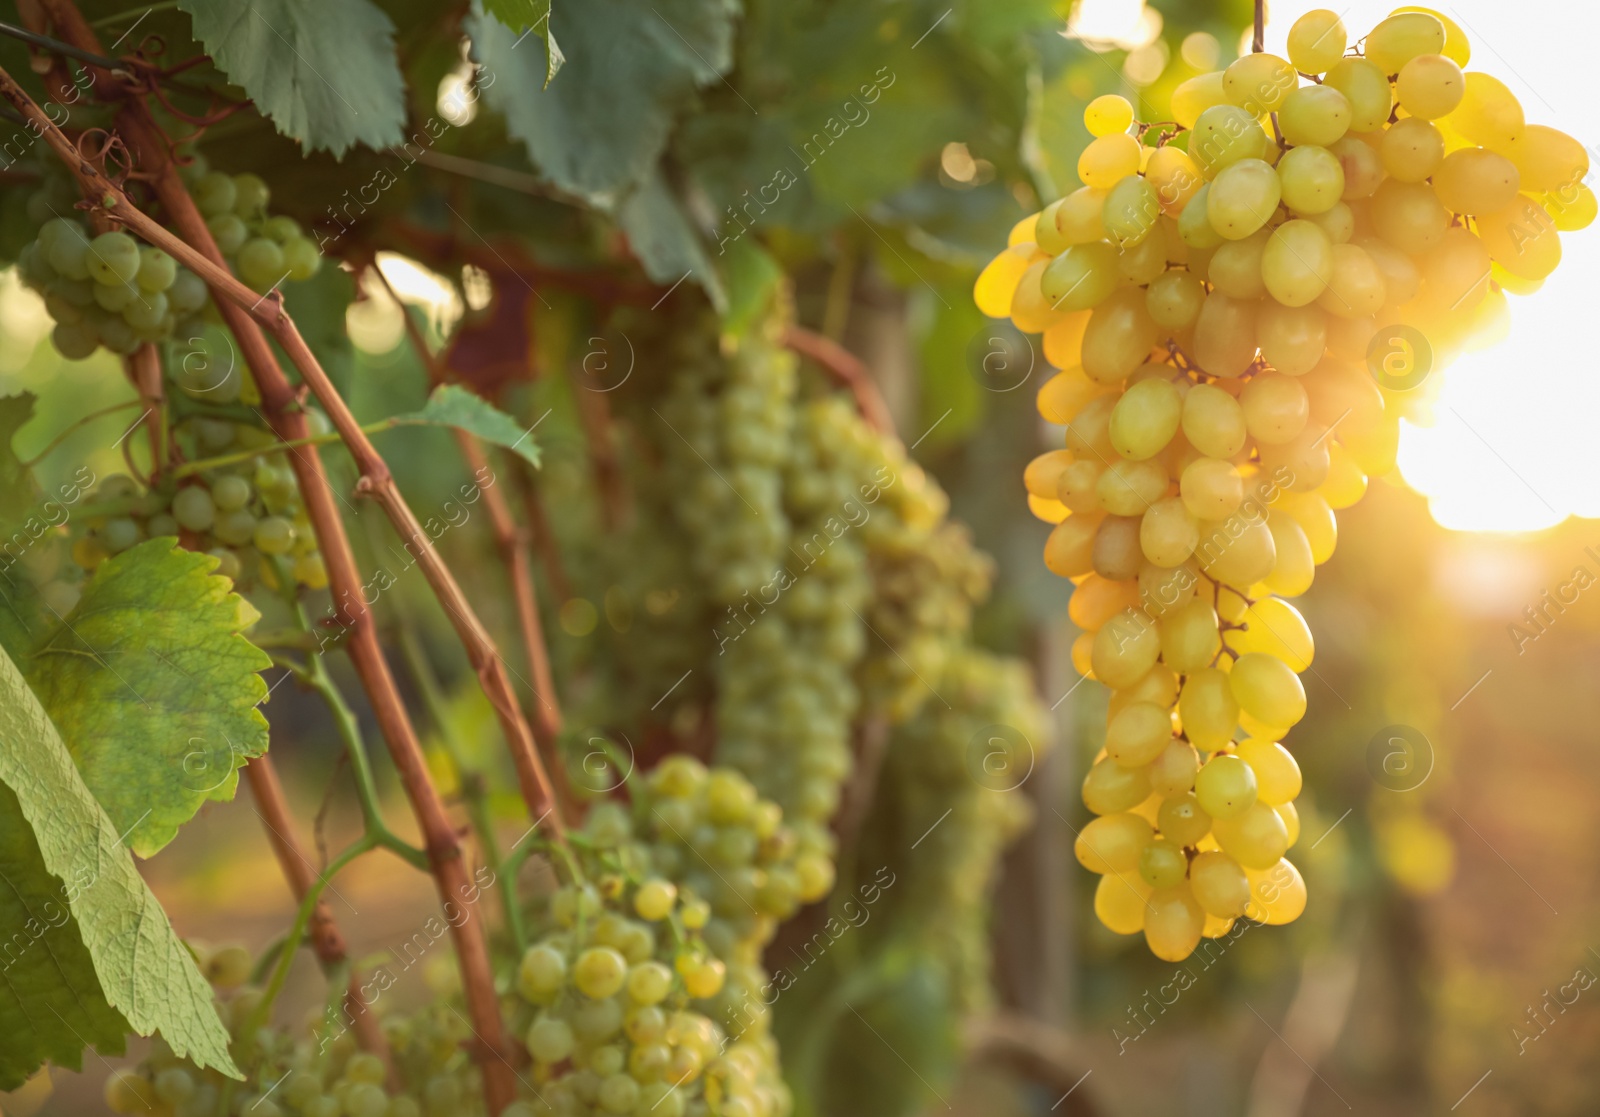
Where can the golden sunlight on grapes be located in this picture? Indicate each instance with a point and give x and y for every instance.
(1489, 459)
(1244, 304)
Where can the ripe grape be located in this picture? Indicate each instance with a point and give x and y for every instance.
(215, 194)
(1316, 41)
(1108, 114)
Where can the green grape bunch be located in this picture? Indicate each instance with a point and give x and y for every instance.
(247, 512)
(107, 290)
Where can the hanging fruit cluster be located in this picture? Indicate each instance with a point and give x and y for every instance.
(1237, 300)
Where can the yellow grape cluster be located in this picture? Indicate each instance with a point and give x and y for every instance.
(1223, 295)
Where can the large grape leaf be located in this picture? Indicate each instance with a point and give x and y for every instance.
(631, 67)
(153, 688)
(88, 952)
(534, 14)
(324, 72)
(665, 242)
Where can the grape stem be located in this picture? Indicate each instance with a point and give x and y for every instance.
(280, 405)
(1258, 42)
(314, 675)
(73, 427)
(143, 367)
(58, 47)
(848, 370)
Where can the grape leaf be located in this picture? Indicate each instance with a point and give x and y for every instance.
(451, 405)
(325, 73)
(666, 244)
(50, 999)
(535, 14)
(754, 279)
(89, 952)
(631, 67)
(153, 689)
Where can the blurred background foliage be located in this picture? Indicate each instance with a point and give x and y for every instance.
(1442, 917)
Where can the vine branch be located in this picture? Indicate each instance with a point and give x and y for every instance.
(846, 368)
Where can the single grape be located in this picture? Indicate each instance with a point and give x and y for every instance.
(115, 299)
(654, 899)
(1162, 864)
(120, 533)
(261, 263)
(231, 492)
(157, 270)
(235, 527)
(550, 1039)
(310, 570)
(146, 312)
(648, 983)
(76, 341)
(599, 972)
(126, 1091)
(1108, 114)
(702, 977)
(274, 535)
(174, 1085)
(192, 508)
(215, 194)
(542, 973)
(302, 259)
(228, 564)
(228, 231)
(250, 195)
(66, 249)
(113, 258)
(188, 292)
(1317, 41)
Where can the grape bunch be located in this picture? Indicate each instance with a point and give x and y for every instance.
(645, 993)
(747, 472)
(961, 805)
(1238, 301)
(107, 289)
(316, 1070)
(247, 513)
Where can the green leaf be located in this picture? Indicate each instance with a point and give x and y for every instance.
(666, 244)
(520, 14)
(324, 72)
(154, 690)
(451, 405)
(16, 493)
(631, 68)
(90, 953)
(50, 1000)
(753, 278)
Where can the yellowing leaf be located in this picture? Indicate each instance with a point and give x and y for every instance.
(153, 688)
